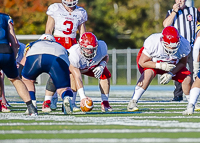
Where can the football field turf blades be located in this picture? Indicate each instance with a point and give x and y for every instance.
(158, 120)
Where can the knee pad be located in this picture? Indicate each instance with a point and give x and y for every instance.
(50, 86)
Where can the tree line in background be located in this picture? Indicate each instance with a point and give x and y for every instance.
(120, 23)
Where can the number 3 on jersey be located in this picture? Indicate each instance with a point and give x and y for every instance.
(68, 30)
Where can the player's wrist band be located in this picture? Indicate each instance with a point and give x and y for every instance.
(174, 11)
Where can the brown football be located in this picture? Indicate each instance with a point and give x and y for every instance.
(86, 104)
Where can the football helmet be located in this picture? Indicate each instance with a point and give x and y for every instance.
(47, 37)
(170, 40)
(88, 44)
(70, 3)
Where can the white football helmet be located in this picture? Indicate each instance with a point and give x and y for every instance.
(88, 44)
(47, 37)
(70, 3)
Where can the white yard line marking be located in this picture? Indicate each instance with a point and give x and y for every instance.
(98, 131)
(126, 121)
(109, 140)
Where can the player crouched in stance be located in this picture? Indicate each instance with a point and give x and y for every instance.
(195, 90)
(90, 57)
(46, 55)
(166, 54)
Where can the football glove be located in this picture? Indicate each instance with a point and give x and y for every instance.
(195, 69)
(165, 78)
(165, 66)
(99, 69)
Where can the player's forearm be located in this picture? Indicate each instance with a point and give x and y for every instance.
(179, 66)
(169, 20)
(148, 64)
(50, 25)
(82, 29)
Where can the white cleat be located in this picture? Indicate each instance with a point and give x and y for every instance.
(67, 105)
(189, 110)
(75, 108)
(132, 105)
(197, 107)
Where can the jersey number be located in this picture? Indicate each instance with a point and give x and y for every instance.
(68, 30)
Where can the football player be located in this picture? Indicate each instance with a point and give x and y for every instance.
(195, 90)
(46, 55)
(8, 51)
(64, 19)
(90, 58)
(166, 54)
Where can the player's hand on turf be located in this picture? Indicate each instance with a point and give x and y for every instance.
(98, 71)
(165, 66)
(165, 78)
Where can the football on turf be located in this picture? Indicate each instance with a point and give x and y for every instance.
(86, 104)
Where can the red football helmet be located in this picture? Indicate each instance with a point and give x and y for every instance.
(170, 40)
(88, 44)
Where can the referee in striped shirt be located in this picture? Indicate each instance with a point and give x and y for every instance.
(184, 19)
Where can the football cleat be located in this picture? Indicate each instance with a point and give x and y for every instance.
(46, 106)
(34, 104)
(86, 104)
(105, 106)
(67, 104)
(4, 108)
(54, 101)
(189, 110)
(75, 108)
(32, 111)
(197, 107)
(132, 105)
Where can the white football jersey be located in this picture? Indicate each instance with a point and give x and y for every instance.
(153, 48)
(48, 47)
(77, 59)
(66, 23)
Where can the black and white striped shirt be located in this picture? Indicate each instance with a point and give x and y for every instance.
(185, 21)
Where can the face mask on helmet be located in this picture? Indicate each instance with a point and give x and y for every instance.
(70, 3)
(47, 37)
(88, 44)
(170, 40)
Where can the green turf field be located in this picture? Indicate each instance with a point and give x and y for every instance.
(158, 120)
